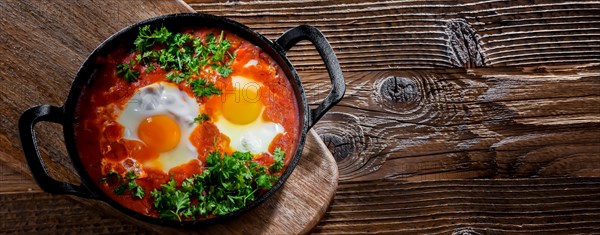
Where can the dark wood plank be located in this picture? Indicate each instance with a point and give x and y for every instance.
(477, 123)
(12, 181)
(35, 213)
(446, 124)
(538, 119)
(526, 206)
(373, 34)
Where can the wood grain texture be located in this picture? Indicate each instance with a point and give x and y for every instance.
(43, 213)
(476, 123)
(373, 34)
(437, 90)
(440, 90)
(295, 209)
(524, 206)
(12, 181)
(422, 121)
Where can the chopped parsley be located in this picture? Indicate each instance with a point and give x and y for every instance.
(278, 156)
(182, 56)
(202, 88)
(128, 184)
(226, 184)
(147, 39)
(128, 72)
(176, 77)
(110, 175)
(201, 118)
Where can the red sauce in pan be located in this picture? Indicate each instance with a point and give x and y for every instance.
(99, 136)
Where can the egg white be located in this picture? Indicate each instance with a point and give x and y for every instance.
(254, 137)
(163, 99)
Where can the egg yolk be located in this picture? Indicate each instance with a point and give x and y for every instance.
(242, 107)
(159, 132)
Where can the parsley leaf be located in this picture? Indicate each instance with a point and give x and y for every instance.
(132, 185)
(201, 118)
(263, 182)
(109, 176)
(147, 39)
(224, 71)
(202, 88)
(130, 175)
(170, 202)
(181, 201)
(179, 39)
(138, 192)
(176, 77)
(128, 184)
(219, 48)
(244, 156)
(120, 189)
(278, 156)
(149, 68)
(171, 186)
(187, 184)
(129, 73)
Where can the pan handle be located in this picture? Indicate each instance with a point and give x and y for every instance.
(38, 169)
(338, 85)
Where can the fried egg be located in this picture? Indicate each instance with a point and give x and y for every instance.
(162, 117)
(241, 118)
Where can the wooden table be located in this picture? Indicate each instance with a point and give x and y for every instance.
(460, 117)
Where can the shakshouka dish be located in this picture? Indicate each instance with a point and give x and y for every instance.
(186, 124)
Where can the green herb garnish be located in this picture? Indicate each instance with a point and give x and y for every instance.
(147, 39)
(278, 156)
(202, 88)
(201, 118)
(171, 202)
(183, 56)
(176, 77)
(130, 74)
(227, 184)
(128, 184)
(111, 174)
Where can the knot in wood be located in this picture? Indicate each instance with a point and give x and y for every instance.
(464, 46)
(342, 135)
(400, 94)
(355, 153)
(465, 231)
(399, 89)
(339, 146)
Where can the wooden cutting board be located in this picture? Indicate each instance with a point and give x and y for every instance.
(42, 45)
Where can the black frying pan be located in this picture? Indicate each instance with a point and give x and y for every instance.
(65, 115)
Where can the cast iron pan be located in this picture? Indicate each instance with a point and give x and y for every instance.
(65, 115)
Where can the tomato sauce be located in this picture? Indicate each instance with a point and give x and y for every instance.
(99, 136)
